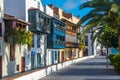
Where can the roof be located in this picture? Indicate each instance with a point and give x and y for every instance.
(9, 17)
(63, 19)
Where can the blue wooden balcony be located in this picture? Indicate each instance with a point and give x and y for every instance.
(56, 38)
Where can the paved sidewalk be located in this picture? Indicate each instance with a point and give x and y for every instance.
(91, 69)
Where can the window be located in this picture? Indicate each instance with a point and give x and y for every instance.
(0, 47)
(41, 19)
(12, 52)
(17, 67)
(86, 52)
(58, 56)
(57, 39)
(33, 41)
(55, 55)
(86, 40)
(38, 40)
(0, 29)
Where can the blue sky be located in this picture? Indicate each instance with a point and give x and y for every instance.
(70, 6)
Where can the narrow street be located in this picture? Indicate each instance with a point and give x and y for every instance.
(91, 69)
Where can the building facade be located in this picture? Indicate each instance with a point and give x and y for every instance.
(90, 49)
(13, 58)
(71, 50)
(56, 42)
(22, 13)
(40, 24)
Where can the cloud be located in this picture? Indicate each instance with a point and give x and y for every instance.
(72, 4)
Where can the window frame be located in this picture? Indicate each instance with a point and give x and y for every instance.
(0, 46)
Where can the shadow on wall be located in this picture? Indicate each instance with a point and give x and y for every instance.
(11, 68)
(10, 65)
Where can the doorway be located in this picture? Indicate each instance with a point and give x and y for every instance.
(38, 60)
(32, 61)
(23, 64)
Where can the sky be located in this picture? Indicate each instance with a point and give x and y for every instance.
(70, 6)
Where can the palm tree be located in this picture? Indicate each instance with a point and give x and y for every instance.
(104, 13)
(115, 20)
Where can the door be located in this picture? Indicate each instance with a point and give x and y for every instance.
(38, 60)
(32, 61)
(52, 57)
(0, 29)
(23, 64)
(62, 56)
(78, 54)
(86, 52)
(58, 56)
(0, 67)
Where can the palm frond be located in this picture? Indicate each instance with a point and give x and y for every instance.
(96, 35)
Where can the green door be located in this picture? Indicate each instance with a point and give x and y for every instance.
(32, 61)
(38, 60)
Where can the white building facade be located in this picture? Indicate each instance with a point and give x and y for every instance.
(91, 49)
(49, 12)
(13, 7)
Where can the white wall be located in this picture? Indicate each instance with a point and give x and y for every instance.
(48, 10)
(89, 47)
(19, 8)
(1, 10)
(27, 60)
(9, 67)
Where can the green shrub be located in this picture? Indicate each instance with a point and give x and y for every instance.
(111, 58)
(116, 62)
